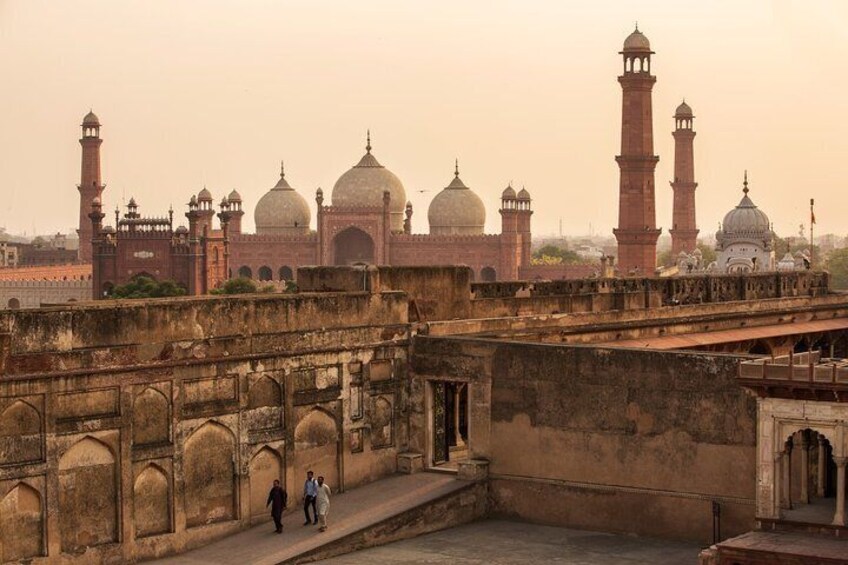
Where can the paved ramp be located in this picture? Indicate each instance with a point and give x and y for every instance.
(358, 518)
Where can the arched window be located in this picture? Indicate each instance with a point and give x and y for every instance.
(488, 274)
(14, 304)
(286, 273)
(265, 273)
(245, 272)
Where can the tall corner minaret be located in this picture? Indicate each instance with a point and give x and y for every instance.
(90, 185)
(637, 231)
(684, 231)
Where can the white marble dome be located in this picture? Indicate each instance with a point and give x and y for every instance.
(456, 210)
(746, 218)
(282, 210)
(364, 185)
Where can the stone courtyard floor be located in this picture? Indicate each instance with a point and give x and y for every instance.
(500, 542)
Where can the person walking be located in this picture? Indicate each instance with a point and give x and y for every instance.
(277, 498)
(310, 491)
(323, 502)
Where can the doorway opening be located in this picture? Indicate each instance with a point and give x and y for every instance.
(449, 423)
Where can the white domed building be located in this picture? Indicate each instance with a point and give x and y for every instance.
(456, 210)
(281, 211)
(745, 240)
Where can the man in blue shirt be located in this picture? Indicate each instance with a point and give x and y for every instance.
(310, 493)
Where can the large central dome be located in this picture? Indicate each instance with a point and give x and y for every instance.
(364, 185)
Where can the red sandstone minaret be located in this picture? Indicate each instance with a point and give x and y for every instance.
(90, 185)
(684, 233)
(637, 232)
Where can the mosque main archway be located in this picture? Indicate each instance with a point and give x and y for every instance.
(352, 246)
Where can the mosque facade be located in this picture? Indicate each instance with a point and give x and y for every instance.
(367, 219)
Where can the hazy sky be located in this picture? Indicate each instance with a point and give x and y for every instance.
(217, 92)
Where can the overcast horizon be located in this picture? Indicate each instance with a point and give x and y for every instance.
(216, 93)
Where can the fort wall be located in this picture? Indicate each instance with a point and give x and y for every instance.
(135, 429)
(600, 438)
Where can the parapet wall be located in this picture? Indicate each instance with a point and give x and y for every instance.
(435, 292)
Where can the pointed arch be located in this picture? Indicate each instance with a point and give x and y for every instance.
(265, 467)
(88, 494)
(382, 423)
(317, 444)
(265, 391)
(20, 433)
(152, 502)
(209, 473)
(265, 403)
(21, 523)
(151, 417)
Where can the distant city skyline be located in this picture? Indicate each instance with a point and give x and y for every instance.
(216, 93)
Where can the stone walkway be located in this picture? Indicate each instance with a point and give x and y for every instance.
(349, 512)
(495, 542)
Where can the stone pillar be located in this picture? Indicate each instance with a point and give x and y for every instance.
(821, 477)
(457, 394)
(786, 477)
(805, 468)
(839, 516)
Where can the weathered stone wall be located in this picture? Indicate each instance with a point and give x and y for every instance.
(435, 293)
(609, 439)
(131, 430)
(35, 293)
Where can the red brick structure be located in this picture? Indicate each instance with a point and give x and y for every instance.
(684, 232)
(637, 232)
(90, 186)
(368, 222)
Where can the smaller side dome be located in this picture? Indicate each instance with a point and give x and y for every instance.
(523, 194)
(282, 210)
(90, 119)
(108, 229)
(637, 41)
(508, 193)
(234, 196)
(683, 111)
(456, 210)
(204, 195)
(181, 229)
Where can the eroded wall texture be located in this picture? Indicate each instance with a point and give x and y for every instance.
(607, 439)
(141, 428)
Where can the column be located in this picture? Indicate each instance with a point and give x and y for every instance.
(786, 477)
(821, 477)
(805, 467)
(457, 393)
(839, 516)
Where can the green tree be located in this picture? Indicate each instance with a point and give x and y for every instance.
(146, 287)
(239, 285)
(565, 255)
(708, 254)
(837, 264)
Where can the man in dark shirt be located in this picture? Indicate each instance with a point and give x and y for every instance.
(277, 498)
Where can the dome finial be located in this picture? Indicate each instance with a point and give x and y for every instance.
(456, 169)
(282, 169)
(745, 183)
(637, 26)
(368, 141)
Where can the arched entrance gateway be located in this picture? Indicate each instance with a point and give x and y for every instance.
(352, 246)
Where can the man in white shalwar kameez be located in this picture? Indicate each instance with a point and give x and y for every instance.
(323, 501)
